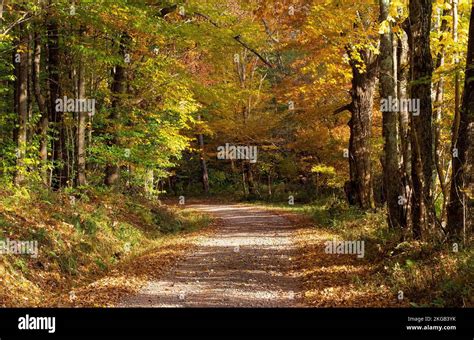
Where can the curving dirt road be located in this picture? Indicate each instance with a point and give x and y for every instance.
(247, 262)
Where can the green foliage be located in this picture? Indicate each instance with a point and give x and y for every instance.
(21, 264)
(67, 263)
(86, 224)
(165, 221)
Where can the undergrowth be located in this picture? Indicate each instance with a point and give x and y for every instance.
(81, 234)
(433, 273)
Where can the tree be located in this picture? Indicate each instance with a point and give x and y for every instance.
(43, 110)
(357, 37)
(364, 70)
(59, 175)
(118, 88)
(440, 106)
(202, 160)
(402, 76)
(460, 208)
(421, 122)
(81, 129)
(21, 101)
(388, 90)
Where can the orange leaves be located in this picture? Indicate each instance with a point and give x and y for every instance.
(338, 280)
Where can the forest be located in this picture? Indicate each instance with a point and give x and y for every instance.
(132, 129)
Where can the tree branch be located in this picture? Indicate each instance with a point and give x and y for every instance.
(167, 10)
(207, 18)
(347, 107)
(237, 38)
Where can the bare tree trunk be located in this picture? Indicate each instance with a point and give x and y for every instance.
(439, 96)
(81, 131)
(457, 90)
(403, 70)
(362, 92)
(461, 204)
(269, 181)
(59, 175)
(44, 121)
(248, 171)
(202, 158)
(421, 123)
(22, 104)
(244, 180)
(391, 176)
(112, 171)
(30, 91)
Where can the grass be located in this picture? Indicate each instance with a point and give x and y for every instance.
(79, 239)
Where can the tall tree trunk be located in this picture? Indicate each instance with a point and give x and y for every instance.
(202, 159)
(403, 70)
(248, 171)
(461, 204)
(22, 104)
(391, 176)
(40, 100)
(30, 90)
(244, 180)
(350, 186)
(421, 124)
(362, 92)
(439, 96)
(457, 89)
(112, 171)
(81, 130)
(59, 175)
(269, 183)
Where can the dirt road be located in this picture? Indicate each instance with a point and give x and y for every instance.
(247, 262)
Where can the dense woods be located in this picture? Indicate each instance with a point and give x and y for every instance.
(371, 103)
(249, 74)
